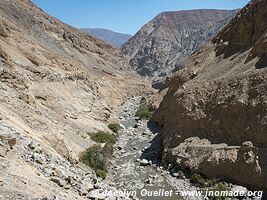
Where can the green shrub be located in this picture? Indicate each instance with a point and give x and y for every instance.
(108, 150)
(198, 180)
(114, 127)
(143, 113)
(212, 182)
(97, 157)
(103, 137)
(145, 110)
(94, 158)
(219, 187)
(101, 173)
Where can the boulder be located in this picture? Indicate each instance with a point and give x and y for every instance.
(144, 162)
(237, 163)
(58, 181)
(240, 190)
(96, 194)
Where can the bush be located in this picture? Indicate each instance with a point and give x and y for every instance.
(101, 173)
(198, 180)
(145, 110)
(143, 113)
(219, 187)
(94, 158)
(97, 158)
(108, 150)
(103, 137)
(114, 127)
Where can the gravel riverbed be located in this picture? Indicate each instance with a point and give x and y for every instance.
(135, 166)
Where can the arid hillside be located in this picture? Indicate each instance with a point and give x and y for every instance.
(56, 84)
(160, 45)
(214, 114)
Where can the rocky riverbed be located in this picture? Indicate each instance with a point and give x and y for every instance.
(135, 165)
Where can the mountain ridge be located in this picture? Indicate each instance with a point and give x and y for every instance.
(160, 45)
(114, 38)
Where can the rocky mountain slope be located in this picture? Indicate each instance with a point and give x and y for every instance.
(160, 45)
(114, 38)
(56, 84)
(214, 114)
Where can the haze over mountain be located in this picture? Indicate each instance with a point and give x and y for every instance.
(114, 38)
(159, 46)
(214, 116)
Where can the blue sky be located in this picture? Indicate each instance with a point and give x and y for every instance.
(125, 16)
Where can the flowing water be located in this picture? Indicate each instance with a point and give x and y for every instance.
(140, 139)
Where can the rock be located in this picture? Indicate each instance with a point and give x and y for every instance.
(58, 181)
(43, 198)
(33, 145)
(144, 162)
(88, 186)
(97, 186)
(67, 187)
(12, 142)
(200, 155)
(38, 158)
(149, 181)
(96, 194)
(3, 31)
(55, 198)
(2, 151)
(8, 136)
(247, 144)
(240, 190)
(175, 175)
(119, 148)
(49, 172)
(83, 191)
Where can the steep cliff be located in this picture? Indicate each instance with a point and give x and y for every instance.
(220, 95)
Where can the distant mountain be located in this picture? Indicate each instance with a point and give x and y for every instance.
(111, 37)
(160, 45)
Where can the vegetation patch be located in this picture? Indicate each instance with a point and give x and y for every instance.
(97, 157)
(145, 110)
(198, 180)
(213, 186)
(115, 127)
(103, 137)
(218, 188)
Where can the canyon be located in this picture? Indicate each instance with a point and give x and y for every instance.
(62, 90)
